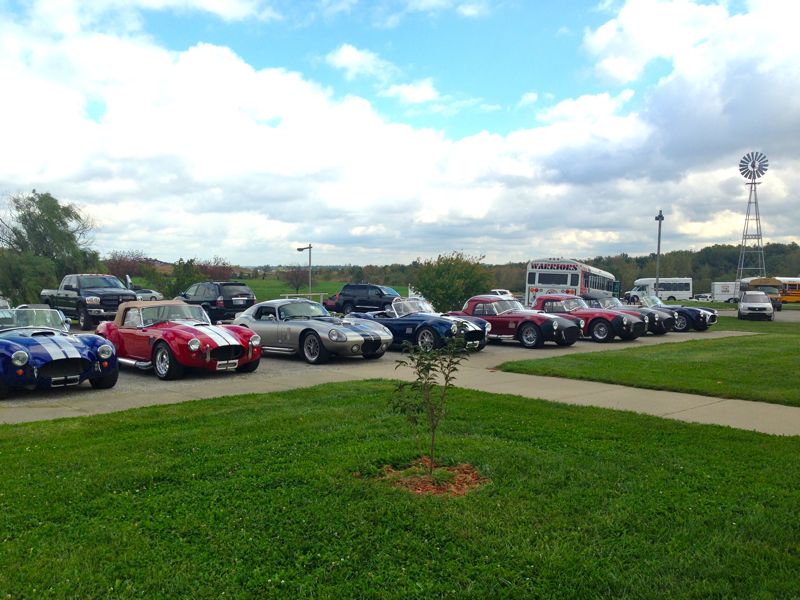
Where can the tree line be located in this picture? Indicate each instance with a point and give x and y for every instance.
(42, 239)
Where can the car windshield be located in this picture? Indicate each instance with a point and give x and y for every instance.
(302, 310)
(409, 306)
(235, 289)
(755, 298)
(173, 312)
(573, 303)
(611, 303)
(652, 301)
(101, 281)
(504, 306)
(388, 291)
(31, 317)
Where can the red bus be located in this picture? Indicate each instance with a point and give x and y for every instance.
(566, 276)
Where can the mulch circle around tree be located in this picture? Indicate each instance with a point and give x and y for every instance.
(446, 481)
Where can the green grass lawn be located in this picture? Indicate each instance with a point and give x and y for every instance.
(759, 367)
(255, 496)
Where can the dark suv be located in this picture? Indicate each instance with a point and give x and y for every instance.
(220, 299)
(363, 297)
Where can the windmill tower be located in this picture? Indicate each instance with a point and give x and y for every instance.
(751, 254)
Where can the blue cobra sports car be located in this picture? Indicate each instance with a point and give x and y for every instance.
(414, 320)
(38, 352)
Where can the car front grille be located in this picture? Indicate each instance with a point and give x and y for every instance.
(65, 367)
(113, 302)
(371, 346)
(227, 352)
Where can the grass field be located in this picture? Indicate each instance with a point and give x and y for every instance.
(257, 496)
(759, 367)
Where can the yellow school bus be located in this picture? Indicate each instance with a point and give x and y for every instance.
(790, 289)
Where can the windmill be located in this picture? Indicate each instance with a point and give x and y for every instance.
(751, 253)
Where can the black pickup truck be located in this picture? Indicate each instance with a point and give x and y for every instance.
(88, 297)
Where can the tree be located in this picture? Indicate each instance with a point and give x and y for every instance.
(126, 262)
(216, 269)
(435, 372)
(23, 276)
(452, 278)
(294, 276)
(184, 274)
(40, 225)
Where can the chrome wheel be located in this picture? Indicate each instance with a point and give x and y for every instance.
(529, 336)
(681, 323)
(161, 361)
(313, 350)
(427, 339)
(601, 331)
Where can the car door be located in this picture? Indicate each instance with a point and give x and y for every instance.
(374, 298)
(135, 339)
(501, 324)
(266, 325)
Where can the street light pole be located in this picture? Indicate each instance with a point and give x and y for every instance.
(309, 265)
(659, 218)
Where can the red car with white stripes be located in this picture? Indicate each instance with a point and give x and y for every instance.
(170, 336)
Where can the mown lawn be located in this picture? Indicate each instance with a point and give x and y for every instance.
(759, 367)
(256, 496)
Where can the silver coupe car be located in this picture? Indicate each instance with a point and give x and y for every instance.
(299, 326)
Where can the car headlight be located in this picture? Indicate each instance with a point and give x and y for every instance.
(105, 351)
(454, 328)
(555, 325)
(675, 315)
(19, 358)
(337, 336)
(387, 330)
(92, 300)
(583, 323)
(488, 327)
(655, 317)
(255, 340)
(194, 344)
(624, 320)
(646, 320)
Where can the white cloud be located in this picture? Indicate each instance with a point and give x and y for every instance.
(528, 98)
(196, 152)
(418, 92)
(360, 63)
(645, 30)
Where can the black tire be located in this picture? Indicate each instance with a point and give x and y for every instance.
(427, 338)
(779, 307)
(85, 321)
(671, 299)
(481, 345)
(3, 390)
(530, 336)
(106, 381)
(739, 316)
(731, 300)
(347, 308)
(165, 364)
(601, 331)
(374, 355)
(312, 349)
(682, 323)
(248, 367)
(772, 317)
(153, 298)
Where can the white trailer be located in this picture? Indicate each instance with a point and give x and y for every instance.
(725, 291)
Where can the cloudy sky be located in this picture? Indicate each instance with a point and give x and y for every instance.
(385, 130)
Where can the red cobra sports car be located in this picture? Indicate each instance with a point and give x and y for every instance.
(170, 335)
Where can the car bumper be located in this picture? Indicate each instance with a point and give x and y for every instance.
(59, 373)
(358, 346)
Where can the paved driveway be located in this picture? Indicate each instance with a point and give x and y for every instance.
(142, 388)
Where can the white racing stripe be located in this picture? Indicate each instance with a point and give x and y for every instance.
(55, 351)
(220, 336)
(67, 346)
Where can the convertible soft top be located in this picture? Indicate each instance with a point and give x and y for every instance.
(142, 304)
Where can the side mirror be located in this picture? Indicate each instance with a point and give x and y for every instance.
(70, 288)
(67, 324)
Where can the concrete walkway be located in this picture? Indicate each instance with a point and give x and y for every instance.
(137, 388)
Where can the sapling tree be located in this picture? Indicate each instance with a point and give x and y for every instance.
(424, 398)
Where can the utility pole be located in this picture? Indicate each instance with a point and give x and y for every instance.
(309, 266)
(659, 218)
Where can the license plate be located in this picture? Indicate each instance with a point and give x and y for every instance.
(239, 300)
(227, 365)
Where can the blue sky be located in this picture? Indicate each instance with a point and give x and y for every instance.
(390, 130)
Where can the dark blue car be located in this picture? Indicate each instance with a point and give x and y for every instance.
(414, 320)
(686, 317)
(38, 352)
